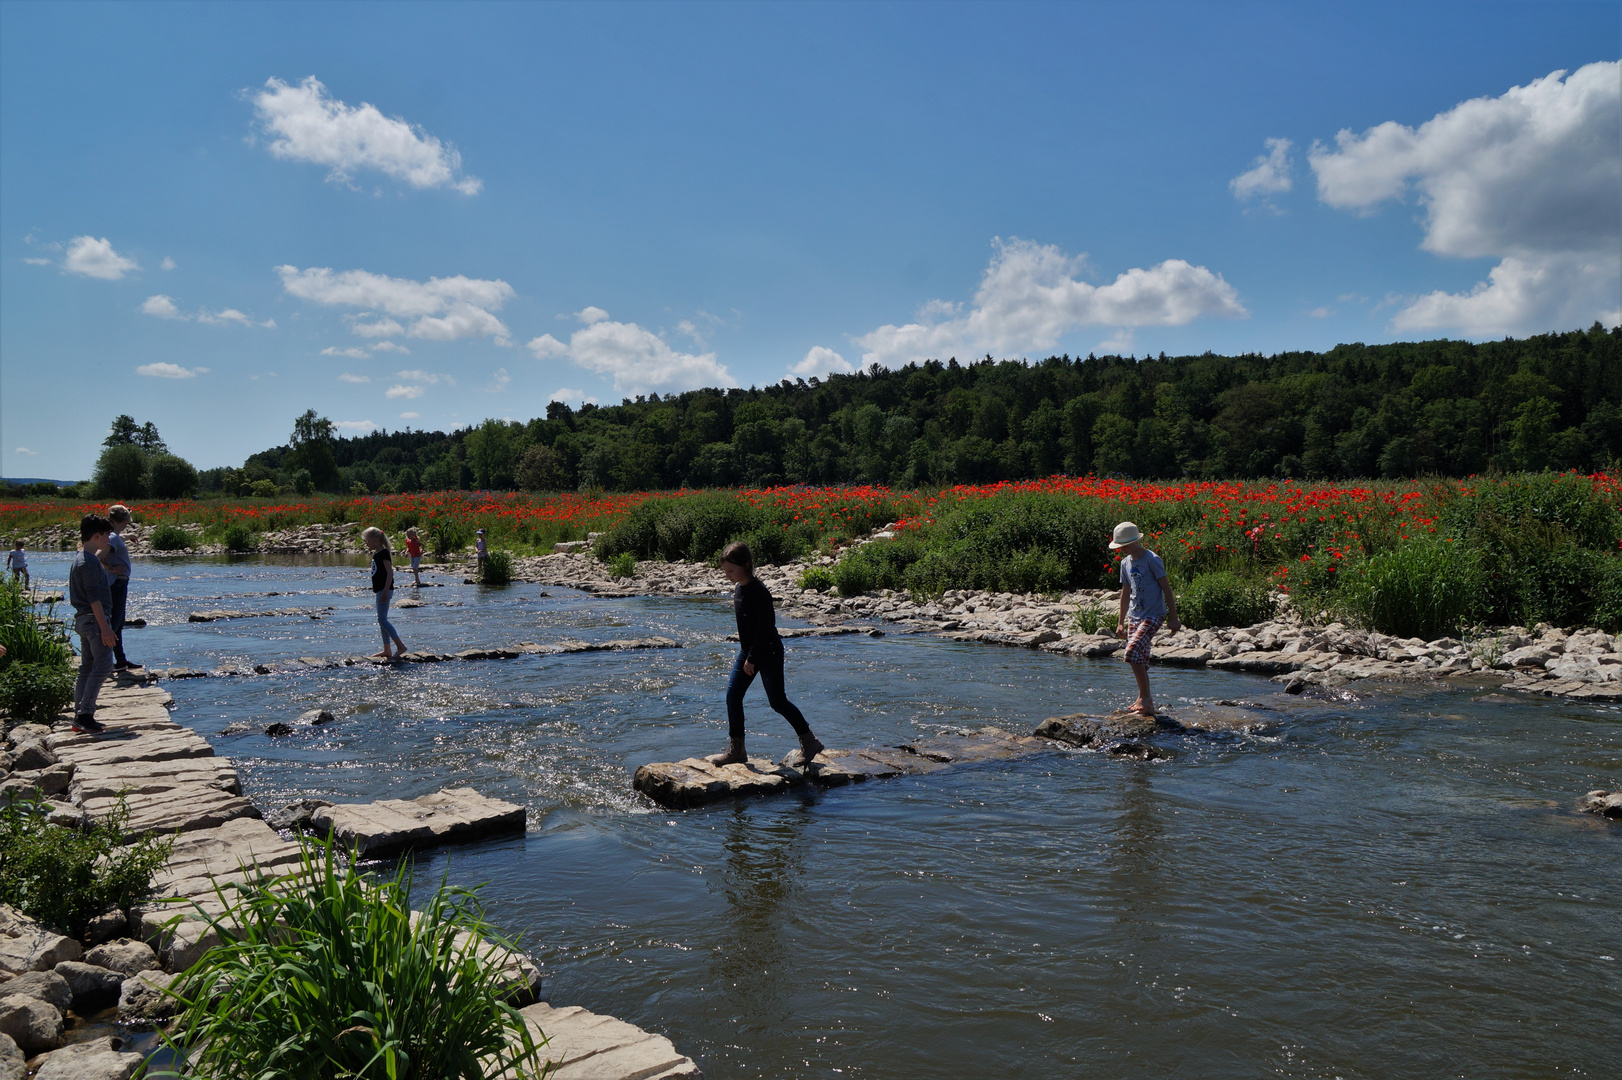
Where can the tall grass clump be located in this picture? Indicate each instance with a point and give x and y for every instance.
(29, 639)
(324, 973)
(446, 537)
(1423, 589)
(497, 568)
(66, 877)
(236, 536)
(697, 526)
(35, 693)
(1223, 598)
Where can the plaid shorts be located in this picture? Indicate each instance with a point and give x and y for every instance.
(1142, 631)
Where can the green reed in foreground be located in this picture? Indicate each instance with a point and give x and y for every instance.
(327, 973)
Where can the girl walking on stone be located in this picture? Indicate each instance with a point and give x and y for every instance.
(383, 587)
(760, 651)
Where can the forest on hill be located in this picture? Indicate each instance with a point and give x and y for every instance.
(1407, 409)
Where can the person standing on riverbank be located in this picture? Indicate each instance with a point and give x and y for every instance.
(117, 561)
(1146, 603)
(760, 650)
(383, 588)
(414, 549)
(17, 563)
(92, 599)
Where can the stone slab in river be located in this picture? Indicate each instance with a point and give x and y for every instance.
(588, 1046)
(695, 781)
(176, 809)
(106, 780)
(128, 743)
(451, 816)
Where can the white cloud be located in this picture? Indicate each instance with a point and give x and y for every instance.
(566, 394)
(443, 308)
(308, 125)
(169, 371)
(821, 361)
(1029, 298)
(389, 346)
(167, 263)
(589, 315)
(26, 451)
(410, 415)
(229, 315)
(1118, 343)
(403, 392)
(355, 427)
(96, 258)
(638, 360)
(498, 381)
(429, 377)
(1319, 313)
(1529, 178)
(39, 262)
(1270, 175)
(162, 306)
(353, 353)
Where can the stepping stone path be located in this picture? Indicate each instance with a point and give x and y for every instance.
(173, 783)
(523, 648)
(696, 782)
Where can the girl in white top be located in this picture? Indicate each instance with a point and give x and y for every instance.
(17, 563)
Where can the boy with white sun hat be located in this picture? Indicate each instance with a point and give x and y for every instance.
(1146, 603)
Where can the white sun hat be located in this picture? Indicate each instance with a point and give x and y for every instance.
(1125, 533)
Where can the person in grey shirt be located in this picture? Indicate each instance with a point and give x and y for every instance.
(117, 561)
(91, 598)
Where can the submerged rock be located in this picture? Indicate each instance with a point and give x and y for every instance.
(295, 815)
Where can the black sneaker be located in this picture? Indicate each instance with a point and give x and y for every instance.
(88, 725)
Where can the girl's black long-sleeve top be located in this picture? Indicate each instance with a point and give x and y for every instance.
(757, 622)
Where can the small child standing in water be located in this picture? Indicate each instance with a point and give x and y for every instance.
(760, 651)
(1146, 602)
(414, 549)
(383, 587)
(480, 549)
(17, 563)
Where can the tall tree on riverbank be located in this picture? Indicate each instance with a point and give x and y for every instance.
(311, 448)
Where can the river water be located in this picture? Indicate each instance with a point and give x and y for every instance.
(1381, 886)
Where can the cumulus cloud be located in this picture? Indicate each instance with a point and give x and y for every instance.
(169, 371)
(1270, 175)
(821, 361)
(355, 427)
(354, 353)
(1319, 313)
(96, 258)
(498, 381)
(1029, 297)
(401, 391)
(307, 124)
(229, 315)
(167, 263)
(389, 346)
(24, 450)
(410, 415)
(442, 309)
(1529, 178)
(348, 378)
(162, 306)
(566, 394)
(637, 359)
(429, 377)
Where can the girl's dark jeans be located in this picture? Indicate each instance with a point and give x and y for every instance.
(770, 671)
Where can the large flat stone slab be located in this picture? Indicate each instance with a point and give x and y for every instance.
(589, 1046)
(121, 743)
(986, 744)
(451, 816)
(695, 781)
(182, 808)
(107, 780)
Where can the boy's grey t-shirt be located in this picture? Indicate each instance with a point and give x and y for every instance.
(87, 583)
(118, 557)
(1143, 574)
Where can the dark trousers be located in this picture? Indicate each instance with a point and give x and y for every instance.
(121, 595)
(770, 671)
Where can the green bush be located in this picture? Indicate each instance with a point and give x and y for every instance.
(66, 877)
(170, 477)
(853, 577)
(622, 565)
(303, 482)
(35, 693)
(237, 537)
(1424, 589)
(497, 568)
(325, 973)
(265, 489)
(816, 578)
(1223, 598)
(697, 526)
(170, 538)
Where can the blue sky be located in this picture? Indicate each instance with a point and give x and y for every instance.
(216, 216)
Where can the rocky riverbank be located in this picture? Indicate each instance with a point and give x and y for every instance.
(69, 1008)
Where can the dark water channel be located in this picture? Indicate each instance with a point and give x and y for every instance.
(1386, 887)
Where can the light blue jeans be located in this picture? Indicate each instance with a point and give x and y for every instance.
(383, 623)
(95, 664)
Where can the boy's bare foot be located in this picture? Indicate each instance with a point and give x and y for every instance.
(384, 655)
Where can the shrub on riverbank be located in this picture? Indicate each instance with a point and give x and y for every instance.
(325, 973)
(35, 693)
(497, 568)
(1223, 598)
(167, 537)
(66, 877)
(1424, 589)
(28, 638)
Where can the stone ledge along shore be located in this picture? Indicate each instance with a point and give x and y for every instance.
(695, 781)
(173, 783)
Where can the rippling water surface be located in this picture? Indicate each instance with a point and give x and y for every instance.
(1387, 887)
